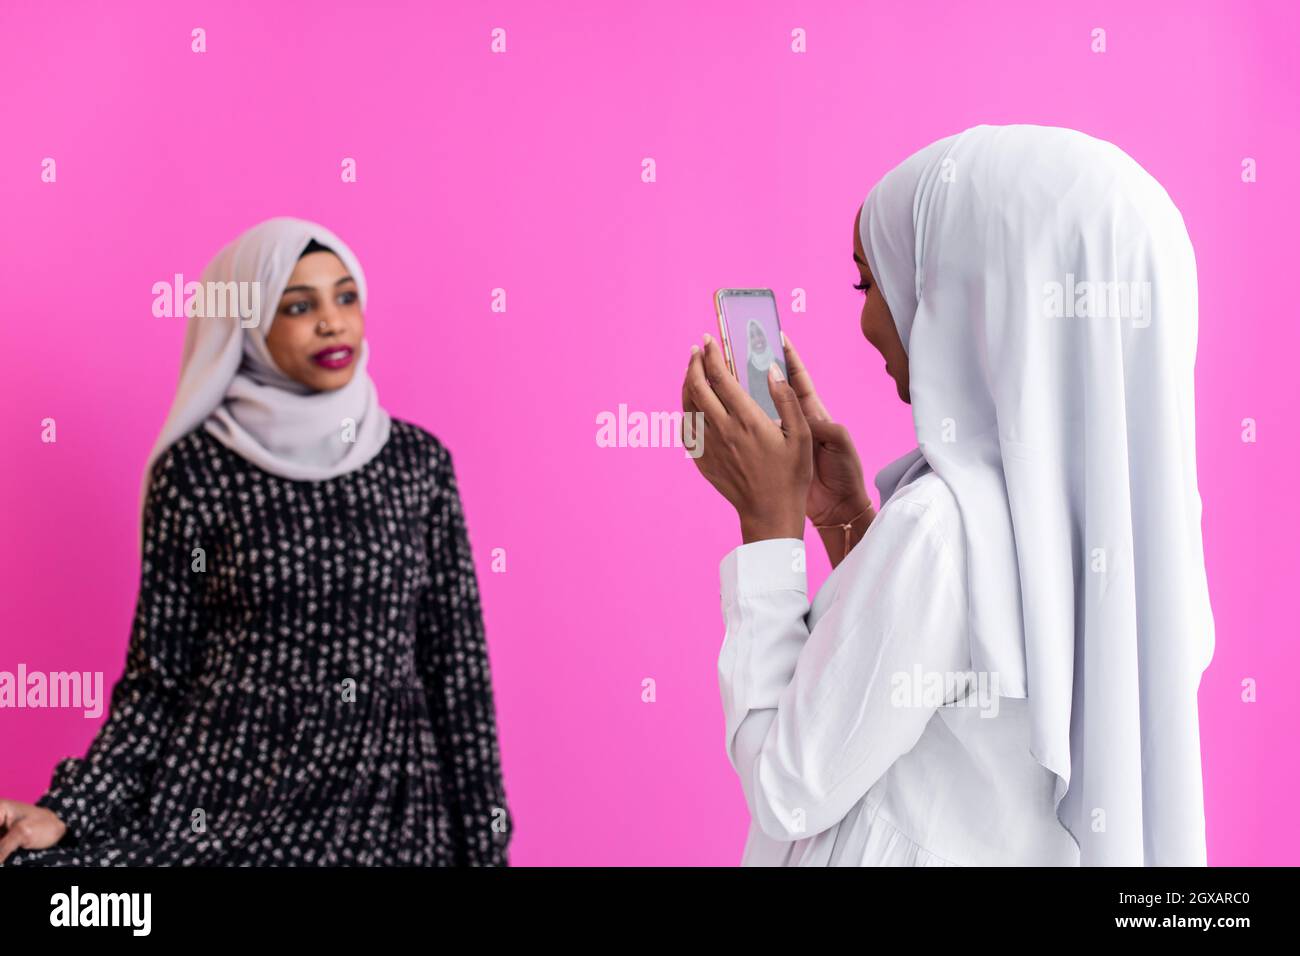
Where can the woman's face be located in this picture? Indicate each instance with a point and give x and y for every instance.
(877, 324)
(316, 336)
(757, 340)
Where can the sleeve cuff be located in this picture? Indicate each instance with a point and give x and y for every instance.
(64, 808)
(776, 564)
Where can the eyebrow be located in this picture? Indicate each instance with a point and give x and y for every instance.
(308, 288)
(858, 259)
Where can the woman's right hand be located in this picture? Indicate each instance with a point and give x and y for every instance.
(838, 492)
(27, 826)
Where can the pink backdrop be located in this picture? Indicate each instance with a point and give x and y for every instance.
(523, 171)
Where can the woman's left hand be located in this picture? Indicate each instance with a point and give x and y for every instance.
(762, 467)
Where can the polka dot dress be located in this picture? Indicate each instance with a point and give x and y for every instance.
(307, 681)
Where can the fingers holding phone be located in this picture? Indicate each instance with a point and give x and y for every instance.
(802, 384)
(763, 471)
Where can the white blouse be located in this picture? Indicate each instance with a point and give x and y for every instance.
(859, 734)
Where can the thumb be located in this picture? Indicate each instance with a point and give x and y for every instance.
(786, 401)
(828, 433)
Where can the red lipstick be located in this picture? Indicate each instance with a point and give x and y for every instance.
(334, 357)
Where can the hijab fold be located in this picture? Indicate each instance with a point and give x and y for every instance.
(1063, 422)
(231, 386)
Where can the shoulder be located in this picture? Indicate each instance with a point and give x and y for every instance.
(923, 516)
(185, 462)
(422, 456)
(416, 444)
(906, 577)
(928, 494)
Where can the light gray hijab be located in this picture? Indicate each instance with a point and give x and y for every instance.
(230, 385)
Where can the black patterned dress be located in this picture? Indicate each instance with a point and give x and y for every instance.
(307, 681)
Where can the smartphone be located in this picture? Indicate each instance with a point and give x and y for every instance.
(751, 340)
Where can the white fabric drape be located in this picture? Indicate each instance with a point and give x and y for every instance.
(1044, 287)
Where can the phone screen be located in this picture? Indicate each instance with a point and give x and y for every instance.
(753, 334)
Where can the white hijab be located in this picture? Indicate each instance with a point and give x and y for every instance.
(1068, 441)
(230, 384)
(759, 358)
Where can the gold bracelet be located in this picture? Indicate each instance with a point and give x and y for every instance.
(848, 528)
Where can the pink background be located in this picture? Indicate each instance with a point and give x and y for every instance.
(523, 171)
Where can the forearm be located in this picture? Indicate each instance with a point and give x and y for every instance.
(773, 735)
(457, 672)
(465, 724)
(764, 605)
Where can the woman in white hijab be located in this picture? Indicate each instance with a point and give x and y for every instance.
(760, 359)
(307, 665)
(1002, 668)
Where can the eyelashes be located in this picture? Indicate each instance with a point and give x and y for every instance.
(864, 288)
(302, 306)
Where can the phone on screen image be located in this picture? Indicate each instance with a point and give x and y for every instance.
(751, 340)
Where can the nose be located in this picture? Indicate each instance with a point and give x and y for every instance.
(327, 322)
